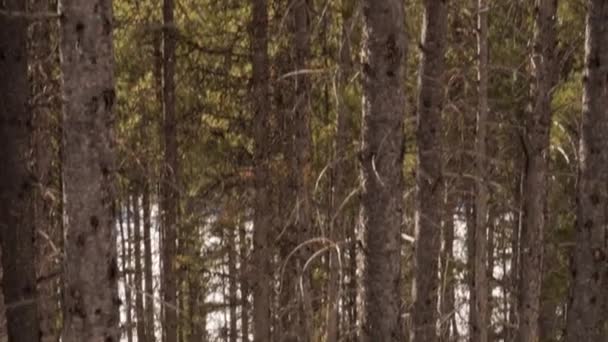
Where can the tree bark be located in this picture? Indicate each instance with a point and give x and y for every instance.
(383, 58)
(429, 175)
(244, 282)
(232, 278)
(125, 236)
(90, 268)
(138, 287)
(149, 285)
(260, 271)
(299, 157)
(42, 63)
(480, 307)
(169, 183)
(447, 307)
(535, 182)
(587, 310)
(17, 225)
(341, 174)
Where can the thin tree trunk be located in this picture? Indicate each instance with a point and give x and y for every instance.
(17, 225)
(169, 177)
(535, 180)
(429, 174)
(232, 280)
(260, 272)
(384, 55)
(127, 275)
(587, 313)
(244, 266)
(91, 304)
(138, 287)
(149, 285)
(480, 309)
(448, 329)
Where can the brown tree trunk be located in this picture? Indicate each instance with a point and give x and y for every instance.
(43, 61)
(17, 225)
(587, 313)
(429, 174)
(169, 183)
(342, 170)
(480, 307)
(384, 56)
(535, 188)
(91, 304)
(299, 157)
(260, 271)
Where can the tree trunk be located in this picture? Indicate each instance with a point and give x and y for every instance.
(138, 288)
(383, 58)
(260, 271)
(149, 287)
(169, 183)
(299, 157)
(42, 63)
(232, 278)
(17, 225)
(480, 309)
(91, 304)
(244, 280)
(535, 180)
(448, 329)
(587, 311)
(125, 235)
(429, 174)
(342, 170)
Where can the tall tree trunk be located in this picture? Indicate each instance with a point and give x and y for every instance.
(535, 180)
(260, 271)
(17, 225)
(342, 170)
(90, 273)
(138, 288)
(149, 285)
(169, 183)
(42, 63)
(429, 174)
(384, 56)
(587, 313)
(299, 156)
(480, 307)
